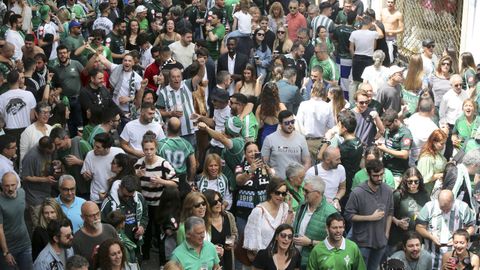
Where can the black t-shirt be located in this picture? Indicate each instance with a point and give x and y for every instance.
(265, 262)
(117, 45)
(351, 152)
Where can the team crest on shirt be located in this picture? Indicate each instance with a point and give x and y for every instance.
(407, 141)
(347, 260)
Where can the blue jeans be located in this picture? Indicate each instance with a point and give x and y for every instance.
(23, 259)
(372, 257)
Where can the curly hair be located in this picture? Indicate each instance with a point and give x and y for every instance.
(269, 100)
(410, 172)
(102, 258)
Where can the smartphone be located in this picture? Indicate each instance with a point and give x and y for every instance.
(258, 155)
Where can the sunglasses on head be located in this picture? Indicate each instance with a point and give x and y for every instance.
(291, 122)
(288, 236)
(283, 194)
(200, 204)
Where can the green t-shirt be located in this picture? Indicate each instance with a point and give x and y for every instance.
(96, 130)
(342, 36)
(74, 43)
(188, 257)
(214, 46)
(79, 148)
(233, 157)
(298, 197)
(401, 140)
(469, 77)
(176, 151)
(250, 127)
(471, 145)
(411, 100)
(331, 71)
(362, 176)
(464, 129)
(144, 25)
(324, 256)
(229, 8)
(341, 18)
(106, 52)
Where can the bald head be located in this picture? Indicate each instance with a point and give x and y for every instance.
(445, 200)
(9, 184)
(174, 126)
(331, 157)
(89, 208)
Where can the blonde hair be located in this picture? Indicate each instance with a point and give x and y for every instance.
(415, 73)
(273, 7)
(208, 160)
(188, 205)
(54, 204)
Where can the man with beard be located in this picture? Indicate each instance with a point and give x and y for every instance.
(336, 252)
(285, 146)
(184, 50)
(412, 255)
(55, 254)
(14, 240)
(95, 94)
(238, 101)
(234, 62)
(132, 135)
(14, 36)
(29, 50)
(333, 174)
(67, 76)
(76, 43)
(93, 232)
(370, 210)
(117, 40)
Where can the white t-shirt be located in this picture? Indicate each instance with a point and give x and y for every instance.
(17, 40)
(332, 178)
(421, 128)
(375, 77)
(183, 55)
(125, 88)
(134, 131)
(314, 118)
(100, 167)
(429, 64)
(15, 107)
(103, 23)
(49, 28)
(244, 22)
(364, 41)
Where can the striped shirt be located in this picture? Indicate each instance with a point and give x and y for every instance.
(443, 225)
(161, 168)
(181, 99)
(321, 20)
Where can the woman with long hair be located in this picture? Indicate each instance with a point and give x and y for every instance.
(466, 124)
(169, 35)
(408, 199)
(223, 228)
(267, 111)
(323, 38)
(122, 165)
(256, 15)
(111, 255)
(282, 43)
(195, 204)
(372, 153)
(49, 210)
(280, 252)
(377, 74)
(267, 216)
(440, 80)
(249, 85)
(468, 71)
(431, 161)
(276, 16)
(132, 32)
(453, 53)
(337, 101)
(213, 178)
(261, 54)
(415, 82)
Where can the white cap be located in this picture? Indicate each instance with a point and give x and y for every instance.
(394, 69)
(140, 9)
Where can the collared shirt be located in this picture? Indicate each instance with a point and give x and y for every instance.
(231, 63)
(49, 259)
(188, 257)
(451, 106)
(314, 118)
(330, 247)
(6, 165)
(73, 212)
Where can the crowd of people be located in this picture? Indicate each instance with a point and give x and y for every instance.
(232, 134)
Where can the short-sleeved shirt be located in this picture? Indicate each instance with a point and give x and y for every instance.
(332, 178)
(264, 261)
(12, 219)
(188, 257)
(366, 128)
(331, 71)
(326, 256)
(362, 176)
(250, 127)
(364, 41)
(134, 131)
(282, 151)
(176, 150)
(68, 76)
(117, 46)
(36, 164)
(73, 43)
(85, 245)
(73, 212)
(342, 35)
(214, 46)
(15, 107)
(400, 140)
(351, 153)
(464, 129)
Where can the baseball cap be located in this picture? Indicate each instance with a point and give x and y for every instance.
(394, 69)
(233, 126)
(140, 9)
(428, 42)
(44, 11)
(74, 24)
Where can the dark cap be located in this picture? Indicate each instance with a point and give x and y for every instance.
(428, 42)
(220, 95)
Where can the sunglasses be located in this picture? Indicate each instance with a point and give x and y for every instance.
(431, 46)
(200, 204)
(364, 102)
(306, 192)
(288, 236)
(280, 32)
(283, 194)
(416, 182)
(260, 34)
(215, 202)
(446, 64)
(291, 122)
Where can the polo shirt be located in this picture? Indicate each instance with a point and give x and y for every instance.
(68, 76)
(191, 260)
(294, 23)
(73, 212)
(326, 256)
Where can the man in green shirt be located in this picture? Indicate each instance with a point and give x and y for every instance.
(117, 41)
(398, 142)
(76, 43)
(336, 252)
(331, 71)
(341, 18)
(238, 102)
(196, 253)
(215, 34)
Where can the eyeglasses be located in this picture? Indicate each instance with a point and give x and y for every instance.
(287, 236)
(280, 32)
(219, 200)
(260, 34)
(68, 189)
(409, 182)
(279, 193)
(291, 122)
(363, 102)
(306, 192)
(200, 204)
(446, 64)
(45, 112)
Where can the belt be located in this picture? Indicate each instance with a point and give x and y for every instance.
(313, 138)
